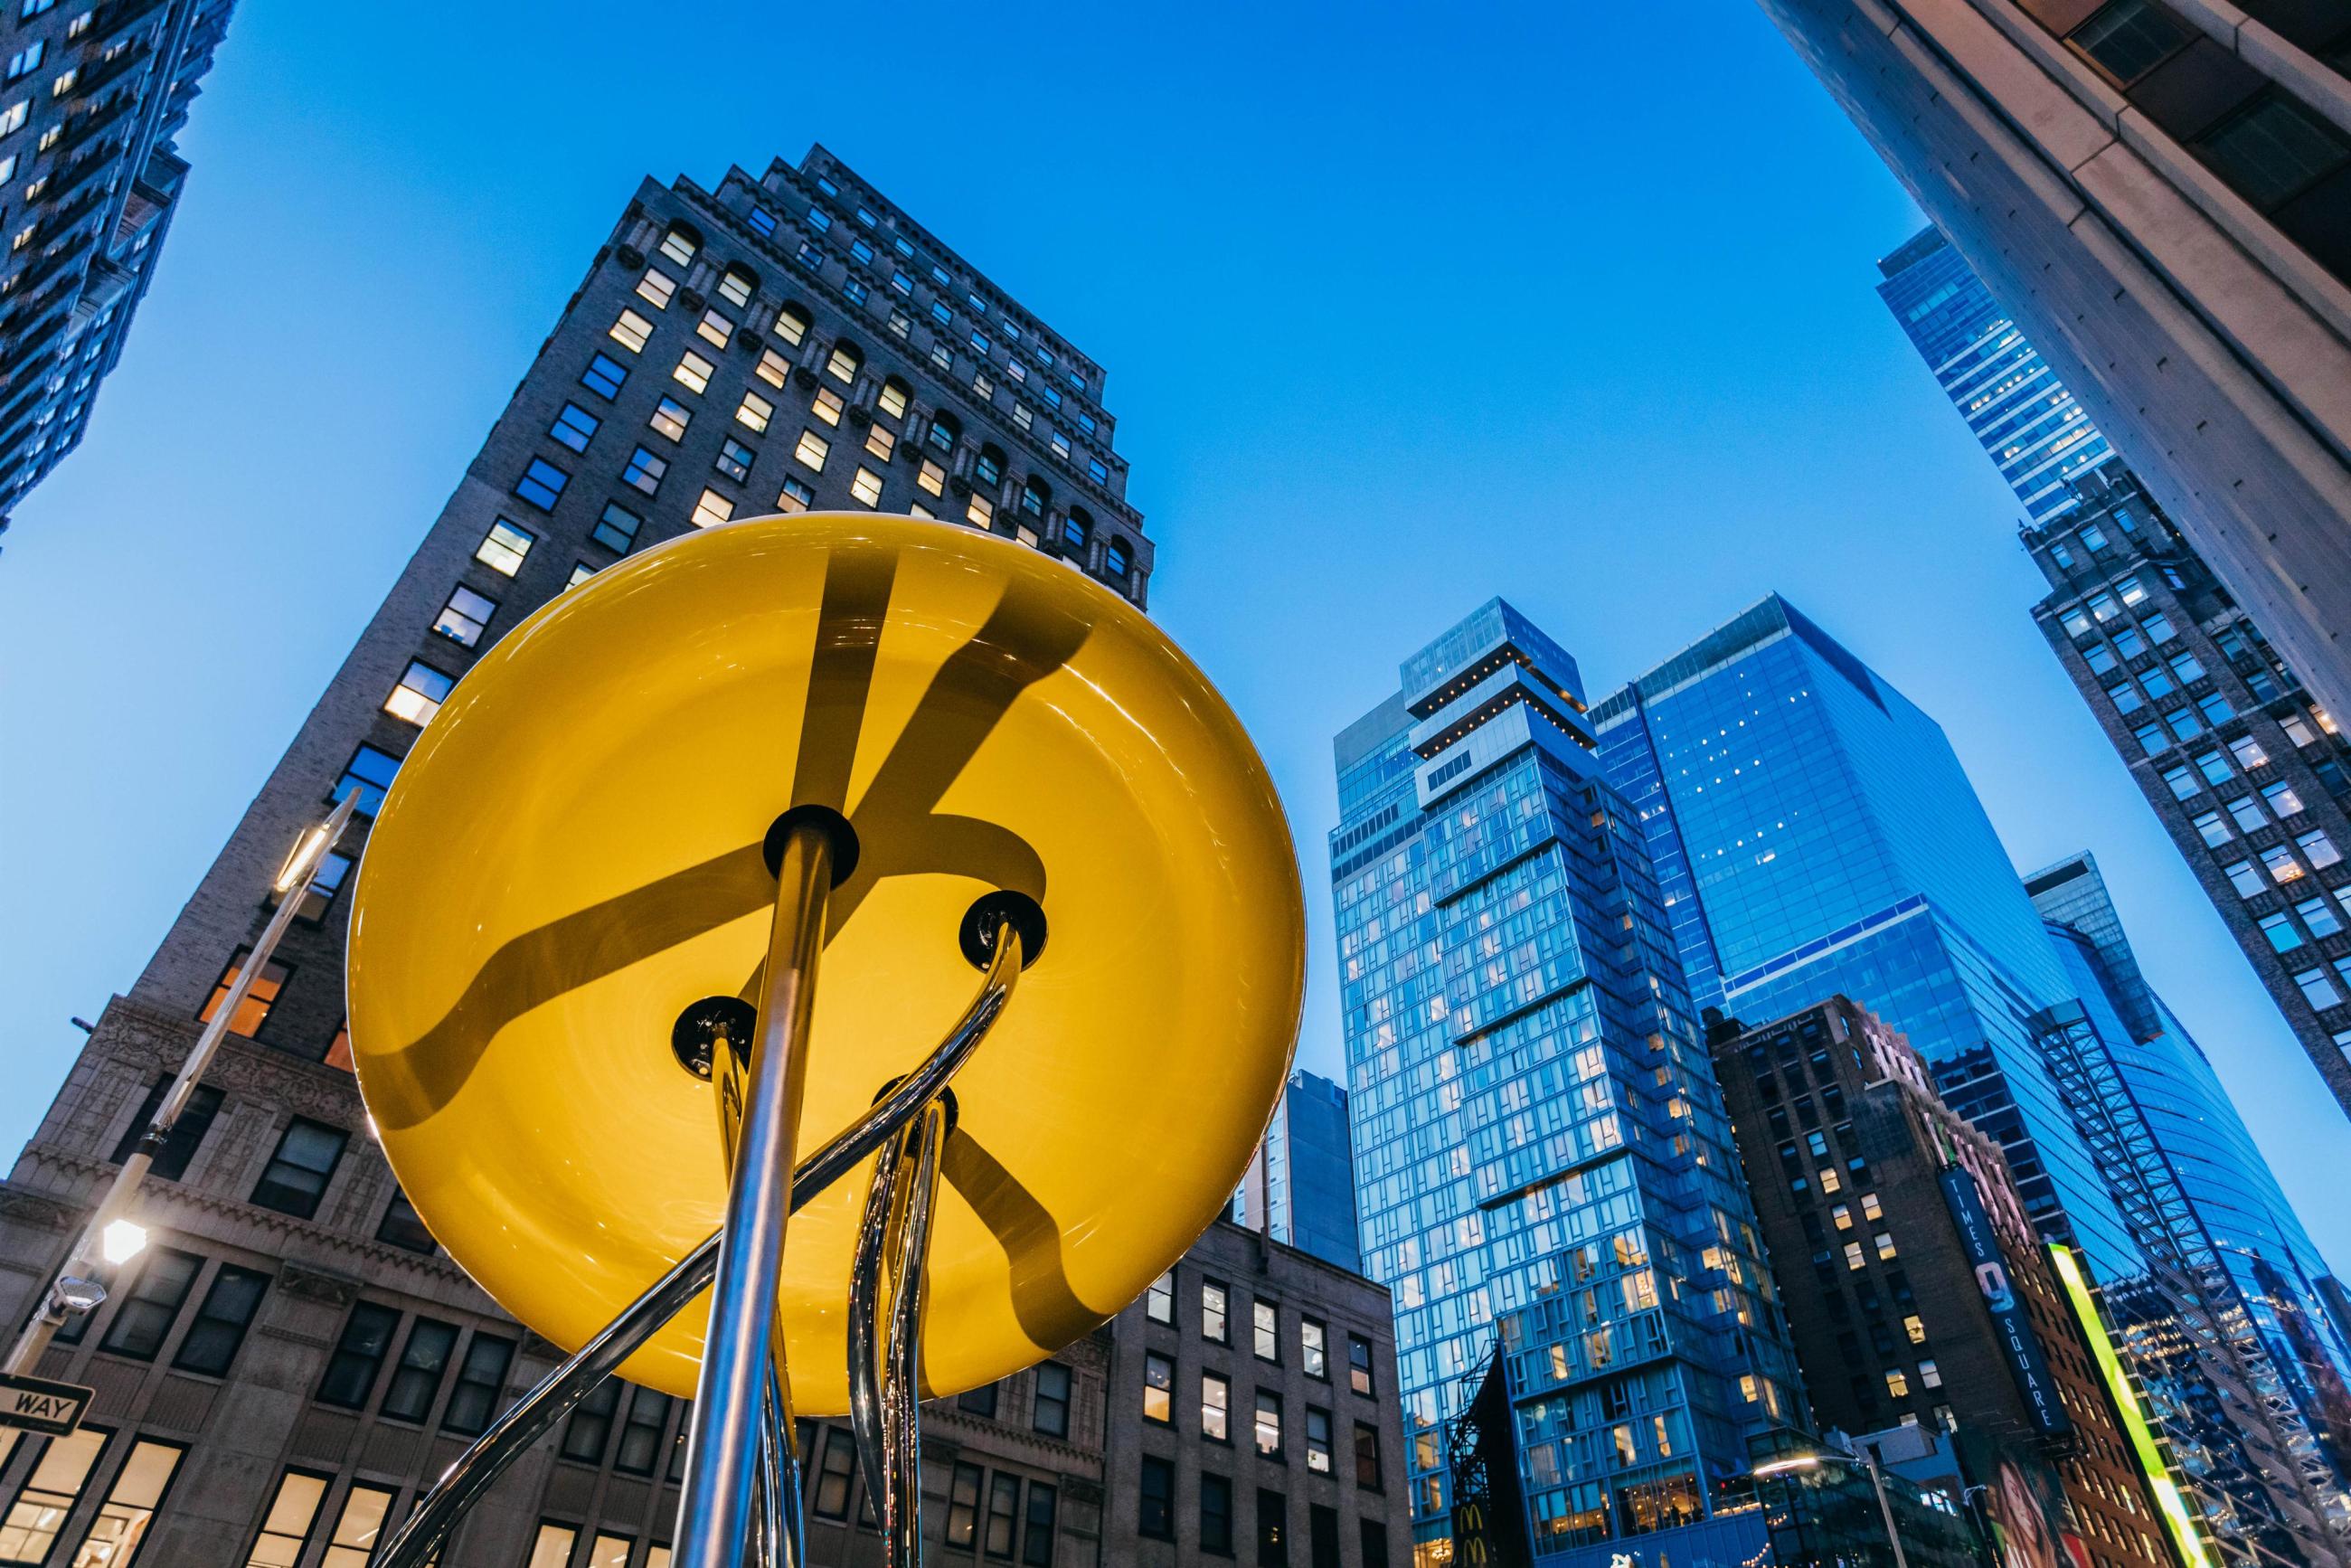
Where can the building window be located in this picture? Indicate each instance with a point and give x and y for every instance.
(296, 1177)
(1359, 1366)
(736, 286)
(1158, 1388)
(827, 406)
(581, 572)
(603, 376)
(932, 478)
(1268, 1423)
(1117, 560)
(1212, 1311)
(754, 413)
(1052, 1414)
(773, 369)
(221, 1320)
(551, 1547)
(2130, 38)
(669, 418)
(714, 329)
(1036, 496)
(1312, 1349)
(359, 1355)
(1159, 1300)
(187, 1135)
(286, 1527)
(616, 530)
(145, 1318)
(590, 1427)
(1265, 1331)
(1272, 1529)
(369, 773)
(2272, 150)
(30, 1530)
(1367, 1457)
(1318, 1441)
(894, 398)
(2319, 916)
(942, 435)
(1216, 1515)
(424, 1362)
(465, 618)
(1216, 1407)
(796, 496)
(962, 1507)
(978, 1401)
(502, 550)
(842, 364)
(812, 449)
(254, 1011)
(2244, 879)
(402, 1226)
(711, 508)
(693, 371)
(2318, 848)
(420, 694)
(542, 484)
(644, 471)
(680, 244)
(1156, 1518)
(834, 1474)
(2281, 798)
(792, 325)
(574, 427)
(640, 1448)
(2318, 989)
(130, 1503)
(734, 459)
(880, 442)
(2213, 829)
(2279, 930)
(481, 1376)
(866, 487)
(1037, 1527)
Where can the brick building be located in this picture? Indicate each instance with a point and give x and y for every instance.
(1847, 1147)
(291, 1361)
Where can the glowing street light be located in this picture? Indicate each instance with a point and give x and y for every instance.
(121, 1242)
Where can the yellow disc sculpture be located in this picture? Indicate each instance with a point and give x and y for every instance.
(571, 855)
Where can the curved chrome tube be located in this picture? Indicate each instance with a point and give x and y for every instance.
(529, 1417)
(902, 1430)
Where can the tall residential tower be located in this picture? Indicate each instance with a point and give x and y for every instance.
(1541, 1154)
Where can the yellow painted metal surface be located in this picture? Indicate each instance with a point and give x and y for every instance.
(572, 854)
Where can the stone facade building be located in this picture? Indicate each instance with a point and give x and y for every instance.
(1875, 1275)
(1253, 1414)
(2158, 190)
(92, 95)
(290, 1360)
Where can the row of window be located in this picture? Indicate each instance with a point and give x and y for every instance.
(1265, 1331)
(1215, 1528)
(1216, 1413)
(64, 1473)
(427, 1362)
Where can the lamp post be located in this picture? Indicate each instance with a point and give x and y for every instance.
(110, 1235)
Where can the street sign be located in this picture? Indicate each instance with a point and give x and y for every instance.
(37, 1405)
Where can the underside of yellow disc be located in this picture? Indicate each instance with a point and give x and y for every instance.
(571, 856)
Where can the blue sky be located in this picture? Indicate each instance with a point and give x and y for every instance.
(1400, 308)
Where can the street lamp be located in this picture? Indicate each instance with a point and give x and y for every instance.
(110, 1235)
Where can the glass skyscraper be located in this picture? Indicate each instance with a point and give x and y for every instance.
(1541, 1154)
(2029, 424)
(1300, 1188)
(1815, 834)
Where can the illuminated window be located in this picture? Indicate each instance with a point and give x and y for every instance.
(880, 442)
(465, 617)
(866, 485)
(1265, 1331)
(581, 572)
(1216, 1407)
(842, 364)
(1359, 1365)
(981, 512)
(1916, 1330)
(754, 413)
(680, 244)
(657, 288)
(714, 329)
(130, 1503)
(1158, 1386)
(1312, 1348)
(1213, 1298)
(827, 406)
(1852, 1254)
(1897, 1383)
(812, 449)
(671, 417)
(772, 368)
(254, 1011)
(1869, 1206)
(1885, 1245)
(894, 398)
(551, 1547)
(791, 324)
(632, 332)
(736, 286)
(932, 477)
(796, 498)
(693, 371)
(503, 547)
(420, 694)
(286, 1527)
(1318, 1441)
(734, 459)
(713, 507)
(1268, 1423)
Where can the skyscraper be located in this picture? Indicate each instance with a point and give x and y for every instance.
(2158, 192)
(291, 1360)
(2032, 427)
(1300, 1188)
(2188, 689)
(1827, 841)
(1540, 1145)
(92, 100)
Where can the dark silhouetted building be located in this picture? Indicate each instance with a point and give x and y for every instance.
(1301, 1187)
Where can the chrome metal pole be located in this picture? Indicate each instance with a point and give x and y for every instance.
(714, 1516)
(902, 1430)
(530, 1417)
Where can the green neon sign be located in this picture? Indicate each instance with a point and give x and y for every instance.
(2167, 1500)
